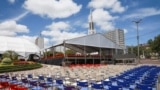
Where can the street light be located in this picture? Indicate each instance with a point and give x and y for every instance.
(137, 22)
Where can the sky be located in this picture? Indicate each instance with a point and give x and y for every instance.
(58, 20)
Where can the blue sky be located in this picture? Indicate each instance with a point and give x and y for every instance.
(58, 20)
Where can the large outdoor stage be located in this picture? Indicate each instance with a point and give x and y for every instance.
(66, 60)
(77, 59)
(85, 48)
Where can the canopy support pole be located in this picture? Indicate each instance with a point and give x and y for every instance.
(64, 50)
(85, 51)
(100, 54)
(45, 53)
(53, 52)
(93, 59)
(85, 54)
(100, 49)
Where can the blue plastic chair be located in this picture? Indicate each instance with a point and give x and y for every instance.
(14, 80)
(49, 81)
(98, 86)
(35, 85)
(66, 87)
(115, 88)
(59, 83)
(30, 76)
(82, 85)
(41, 77)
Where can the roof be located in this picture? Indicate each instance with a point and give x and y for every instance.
(19, 45)
(94, 40)
(91, 42)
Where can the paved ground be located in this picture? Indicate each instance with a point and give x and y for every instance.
(149, 61)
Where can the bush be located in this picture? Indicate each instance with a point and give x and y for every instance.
(10, 54)
(13, 68)
(6, 61)
(6, 55)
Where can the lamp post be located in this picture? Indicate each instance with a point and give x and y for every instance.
(137, 22)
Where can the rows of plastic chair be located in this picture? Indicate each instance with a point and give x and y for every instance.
(8, 82)
(139, 78)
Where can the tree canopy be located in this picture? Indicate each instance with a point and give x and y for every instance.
(155, 44)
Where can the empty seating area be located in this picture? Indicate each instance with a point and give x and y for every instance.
(96, 77)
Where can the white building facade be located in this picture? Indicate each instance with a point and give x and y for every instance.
(117, 36)
(40, 42)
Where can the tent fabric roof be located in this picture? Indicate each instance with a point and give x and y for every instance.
(21, 46)
(91, 42)
(94, 40)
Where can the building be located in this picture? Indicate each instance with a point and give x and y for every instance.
(40, 42)
(91, 29)
(117, 36)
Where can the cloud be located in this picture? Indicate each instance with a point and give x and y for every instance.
(30, 38)
(33, 38)
(11, 1)
(114, 5)
(125, 31)
(11, 28)
(143, 13)
(52, 8)
(19, 17)
(59, 33)
(103, 19)
(59, 26)
(103, 13)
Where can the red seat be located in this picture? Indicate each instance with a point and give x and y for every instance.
(13, 87)
(22, 88)
(4, 85)
(16, 87)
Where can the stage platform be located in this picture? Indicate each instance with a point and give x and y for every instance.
(63, 60)
(76, 60)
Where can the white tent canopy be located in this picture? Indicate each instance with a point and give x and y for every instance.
(21, 46)
(94, 40)
(90, 43)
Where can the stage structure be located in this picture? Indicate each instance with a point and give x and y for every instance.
(90, 49)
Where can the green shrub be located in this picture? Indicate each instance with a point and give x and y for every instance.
(6, 61)
(10, 54)
(6, 55)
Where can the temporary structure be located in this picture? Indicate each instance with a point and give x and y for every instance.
(90, 43)
(21, 46)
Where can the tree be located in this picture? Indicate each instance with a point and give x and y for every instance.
(8, 57)
(143, 49)
(70, 51)
(155, 44)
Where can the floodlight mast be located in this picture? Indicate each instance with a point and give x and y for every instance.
(137, 23)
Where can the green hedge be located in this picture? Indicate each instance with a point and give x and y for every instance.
(13, 68)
